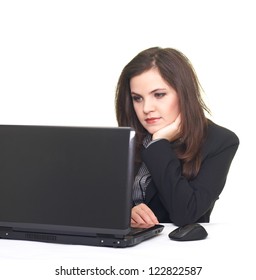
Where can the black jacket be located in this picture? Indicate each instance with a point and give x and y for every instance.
(175, 199)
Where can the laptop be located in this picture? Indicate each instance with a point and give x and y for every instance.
(69, 185)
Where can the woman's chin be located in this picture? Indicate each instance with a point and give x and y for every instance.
(152, 130)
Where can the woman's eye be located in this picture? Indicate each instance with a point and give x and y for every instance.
(159, 94)
(136, 98)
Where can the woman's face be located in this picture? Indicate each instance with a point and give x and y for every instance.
(155, 102)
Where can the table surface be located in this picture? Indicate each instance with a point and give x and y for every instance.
(223, 253)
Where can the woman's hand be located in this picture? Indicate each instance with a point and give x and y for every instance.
(143, 216)
(169, 132)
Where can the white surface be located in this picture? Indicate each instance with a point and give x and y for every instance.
(223, 254)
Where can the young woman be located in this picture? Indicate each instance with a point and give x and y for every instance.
(182, 158)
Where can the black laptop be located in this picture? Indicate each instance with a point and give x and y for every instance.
(68, 185)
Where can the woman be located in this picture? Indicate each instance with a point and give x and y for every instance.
(182, 158)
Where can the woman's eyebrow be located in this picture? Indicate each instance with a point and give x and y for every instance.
(151, 92)
(157, 89)
(134, 93)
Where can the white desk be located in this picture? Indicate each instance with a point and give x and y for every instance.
(225, 253)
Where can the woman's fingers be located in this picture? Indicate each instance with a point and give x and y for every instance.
(142, 214)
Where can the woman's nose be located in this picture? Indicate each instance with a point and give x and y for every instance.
(148, 106)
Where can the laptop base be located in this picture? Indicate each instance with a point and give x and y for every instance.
(103, 240)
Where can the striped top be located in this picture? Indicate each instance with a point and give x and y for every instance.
(142, 178)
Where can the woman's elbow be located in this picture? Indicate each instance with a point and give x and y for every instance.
(182, 219)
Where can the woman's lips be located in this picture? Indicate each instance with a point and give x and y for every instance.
(152, 120)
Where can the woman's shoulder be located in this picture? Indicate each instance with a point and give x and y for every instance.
(220, 132)
(219, 137)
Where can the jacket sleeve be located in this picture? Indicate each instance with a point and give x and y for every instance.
(186, 201)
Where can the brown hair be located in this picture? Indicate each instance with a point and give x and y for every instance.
(176, 69)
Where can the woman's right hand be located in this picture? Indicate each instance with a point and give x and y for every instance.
(170, 132)
(143, 216)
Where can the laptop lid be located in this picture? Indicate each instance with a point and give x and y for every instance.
(67, 180)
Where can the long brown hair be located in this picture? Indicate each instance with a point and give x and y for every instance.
(176, 69)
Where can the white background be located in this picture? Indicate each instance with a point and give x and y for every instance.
(60, 62)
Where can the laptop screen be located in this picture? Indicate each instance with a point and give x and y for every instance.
(66, 178)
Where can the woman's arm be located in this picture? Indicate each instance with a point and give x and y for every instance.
(186, 201)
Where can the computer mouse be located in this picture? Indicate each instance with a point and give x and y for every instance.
(188, 233)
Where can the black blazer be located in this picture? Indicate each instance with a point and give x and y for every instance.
(175, 199)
